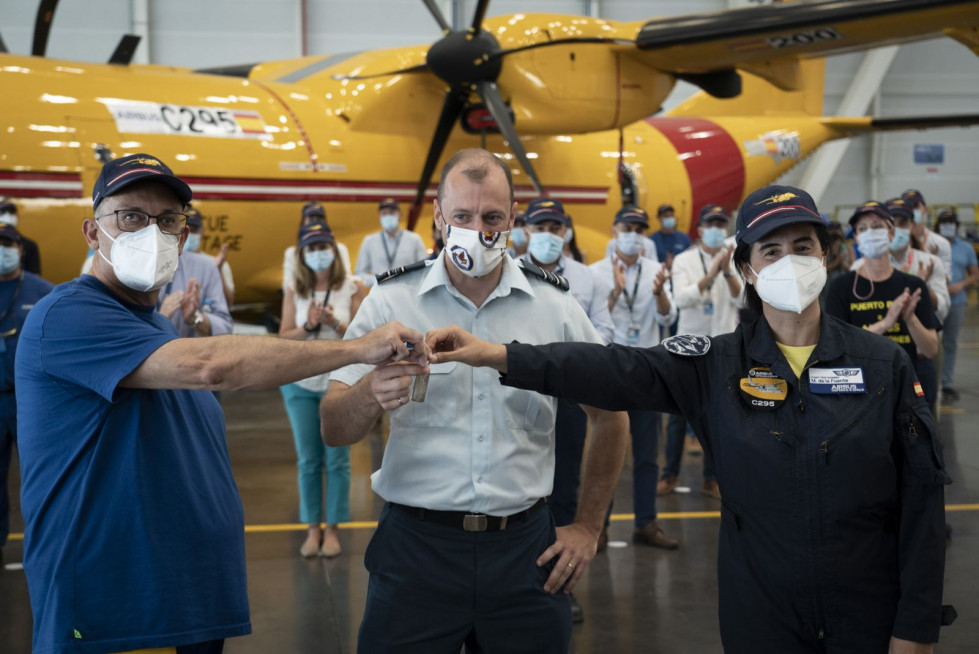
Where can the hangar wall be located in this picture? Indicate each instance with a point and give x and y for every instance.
(938, 77)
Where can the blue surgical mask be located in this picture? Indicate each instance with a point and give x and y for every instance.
(901, 239)
(669, 223)
(568, 235)
(389, 222)
(319, 260)
(948, 230)
(519, 236)
(714, 237)
(629, 243)
(919, 216)
(873, 243)
(193, 243)
(545, 247)
(9, 260)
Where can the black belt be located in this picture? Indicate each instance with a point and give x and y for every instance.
(468, 521)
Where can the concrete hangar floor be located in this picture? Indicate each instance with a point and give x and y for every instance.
(636, 598)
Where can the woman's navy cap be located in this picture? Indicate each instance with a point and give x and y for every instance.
(713, 212)
(194, 217)
(899, 207)
(541, 209)
(315, 232)
(772, 207)
(632, 214)
(120, 173)
(874, 208)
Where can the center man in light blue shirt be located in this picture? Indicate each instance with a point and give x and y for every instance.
(463, 553)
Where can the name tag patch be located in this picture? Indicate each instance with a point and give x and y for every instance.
(836, 381)
(763, 390)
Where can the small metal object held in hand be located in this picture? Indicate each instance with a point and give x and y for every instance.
(419, 387)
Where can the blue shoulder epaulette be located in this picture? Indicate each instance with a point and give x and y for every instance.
(551, 278)
(397, 272)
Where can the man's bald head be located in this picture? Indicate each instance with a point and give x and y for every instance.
(475, 164)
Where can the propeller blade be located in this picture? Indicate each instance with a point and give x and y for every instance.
(3, 46)
(42, 26)
(455, 101)
(478, 16)
(437, 14)
(412, 69)
(545, 44)
(490, 94)
(124, 52)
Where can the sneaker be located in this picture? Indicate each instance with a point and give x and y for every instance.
(654, 536)
(577, 612)
(712, 489)
(666, 485)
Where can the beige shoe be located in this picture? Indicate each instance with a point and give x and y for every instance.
(331, 545)
(309, 548)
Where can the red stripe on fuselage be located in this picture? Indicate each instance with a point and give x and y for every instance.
(715, 167)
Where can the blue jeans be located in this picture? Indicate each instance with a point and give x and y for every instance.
(313, 456)
(645, 427)
(950, 342)
(570, 427)
(676, 429)
(435, 588)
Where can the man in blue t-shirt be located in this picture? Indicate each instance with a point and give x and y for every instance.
(19, 290)
(135, 529)
(669, 242)
(965, 273)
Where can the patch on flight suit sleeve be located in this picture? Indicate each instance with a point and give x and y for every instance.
(553, 279)
(918, 390)
(687, 345)
(397, 272)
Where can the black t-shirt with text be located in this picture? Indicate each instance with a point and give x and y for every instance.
(865, 310)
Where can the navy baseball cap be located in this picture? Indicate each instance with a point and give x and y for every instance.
(120, 173)
(664, 208)
(913, 197)
(899, 207)
(874, 208)
(632, 214)
(315, 232)
(772, 207)
(314, 210)
(713, 212)
(541, 209)
(948, 215)
(9, 231)
(194, 217)
(388, 203)
(6, 206)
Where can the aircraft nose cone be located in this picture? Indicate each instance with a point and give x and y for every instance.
(460, 60)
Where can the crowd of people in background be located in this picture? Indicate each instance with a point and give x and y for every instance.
(886, 272)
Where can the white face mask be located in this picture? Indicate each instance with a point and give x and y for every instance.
(475, 253)
(9, 259)
(319, 260)
(8, 218)
(389, 222)
(874, 243)
(948, 230)
(901, 239)
(629, 243)
(145, 260)
(545, 247)
(568, 235)
(193, 243)
(714, 237)
(792, 283)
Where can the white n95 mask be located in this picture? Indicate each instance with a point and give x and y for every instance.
(791, 283)
(145, 260)
(475, 253)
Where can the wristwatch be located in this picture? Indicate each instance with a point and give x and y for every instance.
(198, 319)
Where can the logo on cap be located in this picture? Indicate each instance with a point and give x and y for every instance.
(141, 160)
(777, 199)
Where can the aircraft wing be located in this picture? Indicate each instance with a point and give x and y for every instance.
(758, 38)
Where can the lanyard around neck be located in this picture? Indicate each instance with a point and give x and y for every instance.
(629, 301)
(387, 251)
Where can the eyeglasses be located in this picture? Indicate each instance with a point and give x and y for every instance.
(130, 220)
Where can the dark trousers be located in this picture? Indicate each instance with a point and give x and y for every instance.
(8, 437)
(645, 428)
(676, 429)
(434, 589)
(209, 647)
(570, 427)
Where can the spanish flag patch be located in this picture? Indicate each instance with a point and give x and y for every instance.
(917, 389)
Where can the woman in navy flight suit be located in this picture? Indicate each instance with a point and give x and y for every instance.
(833, 526)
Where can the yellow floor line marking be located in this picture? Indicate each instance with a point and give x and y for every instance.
(615, 517)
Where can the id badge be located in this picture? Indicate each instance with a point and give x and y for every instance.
(632, 335)
(709, 308)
